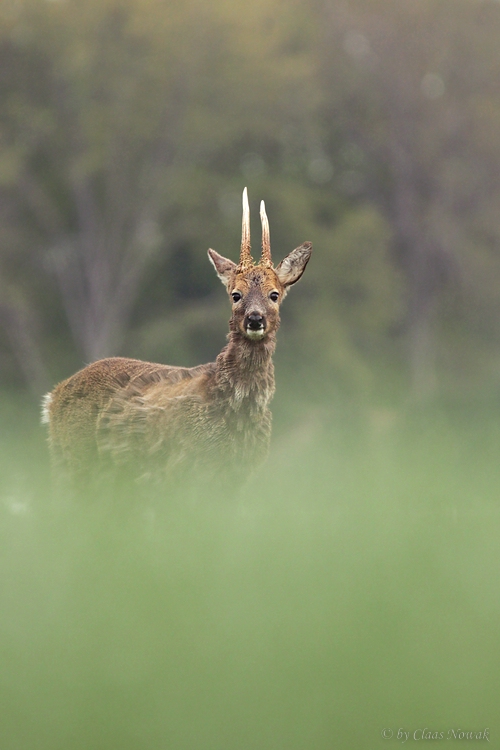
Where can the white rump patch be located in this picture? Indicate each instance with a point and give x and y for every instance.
(46, 402)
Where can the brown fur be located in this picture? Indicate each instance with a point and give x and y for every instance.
(168, 421)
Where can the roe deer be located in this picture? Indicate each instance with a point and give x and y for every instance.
(165, 421)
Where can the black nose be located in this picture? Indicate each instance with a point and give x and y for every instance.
(255, 321)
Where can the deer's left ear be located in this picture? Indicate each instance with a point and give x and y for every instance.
(223, 266)
(293, 266)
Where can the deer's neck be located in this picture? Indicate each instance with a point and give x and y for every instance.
(244, 374)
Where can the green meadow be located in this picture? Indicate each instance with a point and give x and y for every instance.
(348, 589)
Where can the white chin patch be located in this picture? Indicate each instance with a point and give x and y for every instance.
(251, 334)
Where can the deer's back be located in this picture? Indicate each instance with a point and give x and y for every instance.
(76, 407)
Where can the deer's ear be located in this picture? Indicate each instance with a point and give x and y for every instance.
(293, 266)
(223, 266)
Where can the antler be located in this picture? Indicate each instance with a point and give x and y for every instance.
(245, 254)
(266, 239)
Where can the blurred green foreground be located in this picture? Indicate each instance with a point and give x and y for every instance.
(350, 587)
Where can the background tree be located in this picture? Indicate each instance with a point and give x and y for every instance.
(411, 81)
(128, 129)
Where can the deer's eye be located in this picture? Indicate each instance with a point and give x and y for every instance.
(236, 296)
(274, 296)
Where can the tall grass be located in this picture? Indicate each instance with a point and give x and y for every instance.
(350, 586)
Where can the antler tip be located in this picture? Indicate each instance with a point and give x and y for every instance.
(245, 255)
(266, 242)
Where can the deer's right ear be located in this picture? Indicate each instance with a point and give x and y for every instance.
(223, 266)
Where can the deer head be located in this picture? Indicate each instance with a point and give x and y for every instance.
(257, 289)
